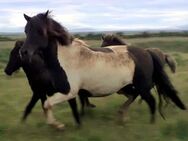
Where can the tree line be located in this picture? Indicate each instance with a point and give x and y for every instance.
(97, 36)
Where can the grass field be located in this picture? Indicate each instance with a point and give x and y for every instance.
(99, 124)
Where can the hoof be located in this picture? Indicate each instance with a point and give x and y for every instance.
(122, 118)
(82, 113)
(23, 120)
(91, 106)
(57, 125)
(152, 121)
(120, 112)
(61, 127)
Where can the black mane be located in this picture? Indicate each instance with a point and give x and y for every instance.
(112, 40)
(43, 22)
(56, 30)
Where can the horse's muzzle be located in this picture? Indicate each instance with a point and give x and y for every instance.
(7, 72)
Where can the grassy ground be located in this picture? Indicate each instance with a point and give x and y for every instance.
(99, 124)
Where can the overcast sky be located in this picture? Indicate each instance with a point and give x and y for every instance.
(98, 14)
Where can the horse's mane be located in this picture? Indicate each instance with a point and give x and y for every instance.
(114, 38)
(77, 41)
(56, 30)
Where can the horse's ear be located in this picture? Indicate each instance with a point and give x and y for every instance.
(46, 14)
(19, 43)
(27, 17)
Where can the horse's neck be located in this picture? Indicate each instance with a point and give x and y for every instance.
(50, 55)
(54, 67)
(33, 71)
(118, 42)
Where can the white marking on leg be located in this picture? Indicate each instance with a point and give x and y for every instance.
(52, 121)
(57, 98)
(49, 116)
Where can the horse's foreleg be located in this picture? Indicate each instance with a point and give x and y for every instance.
(30, 106)
(73, 105)
(57, 98)
(82, 101)
(43, 98)
(48, 104)
(50, 119)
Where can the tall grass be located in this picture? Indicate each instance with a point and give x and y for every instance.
(99, 124)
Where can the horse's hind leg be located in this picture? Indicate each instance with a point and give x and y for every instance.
(151, 103)
(88, 103)
(84, 100)
(123, 111)
(30, 106)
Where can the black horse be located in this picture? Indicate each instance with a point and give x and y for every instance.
(76, 67)
(112, 39)
(42, 83)
(40, 80)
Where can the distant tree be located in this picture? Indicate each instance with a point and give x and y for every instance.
(145, 34)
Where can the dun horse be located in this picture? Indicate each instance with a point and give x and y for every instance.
(76, 67)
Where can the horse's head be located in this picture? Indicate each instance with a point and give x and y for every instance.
(108, 40)
(39, 30)
(14, 62)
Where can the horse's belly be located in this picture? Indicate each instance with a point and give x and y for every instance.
(107, 82)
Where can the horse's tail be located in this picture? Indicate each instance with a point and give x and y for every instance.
(163, 82)
(171, 62)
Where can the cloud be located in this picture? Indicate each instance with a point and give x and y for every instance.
(99, 15)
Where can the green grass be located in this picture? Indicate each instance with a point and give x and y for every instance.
(101, 123)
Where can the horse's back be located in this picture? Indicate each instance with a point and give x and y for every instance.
(107, 72)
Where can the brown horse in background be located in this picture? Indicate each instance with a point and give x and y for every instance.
(112, 39)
